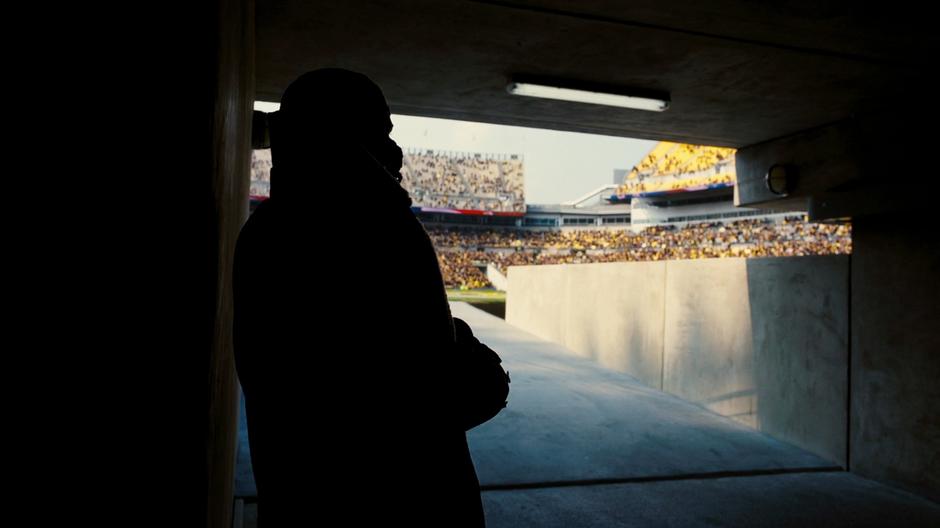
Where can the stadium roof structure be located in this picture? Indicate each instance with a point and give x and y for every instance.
(591, 210)
(738, 72)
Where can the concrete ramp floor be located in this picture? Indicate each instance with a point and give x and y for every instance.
(580, 445)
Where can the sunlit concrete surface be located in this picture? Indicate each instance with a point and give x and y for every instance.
(571, 419)
(760, 340)
(580, 445)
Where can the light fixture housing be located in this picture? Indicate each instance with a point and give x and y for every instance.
(780, 178)
(590, 93)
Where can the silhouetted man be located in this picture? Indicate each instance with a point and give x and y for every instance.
(344, 339)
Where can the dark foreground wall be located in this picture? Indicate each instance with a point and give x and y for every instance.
(895, 397)
(227, 114)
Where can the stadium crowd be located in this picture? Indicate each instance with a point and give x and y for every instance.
(443, 180)
(462, 250)
(495, 183)
(674, 166)
(464, 181)
(260, 173)
(674, 183)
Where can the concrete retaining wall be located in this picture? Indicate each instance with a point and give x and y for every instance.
(763, 341)
(621, 328)
(496, 278)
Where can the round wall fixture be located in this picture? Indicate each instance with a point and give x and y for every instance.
(779, 179)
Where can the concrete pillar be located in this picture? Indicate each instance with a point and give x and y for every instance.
(231, 95)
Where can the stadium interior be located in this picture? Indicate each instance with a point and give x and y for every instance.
(473, 206)
(812, 116)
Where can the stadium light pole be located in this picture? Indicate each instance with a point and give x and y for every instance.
(635, 99)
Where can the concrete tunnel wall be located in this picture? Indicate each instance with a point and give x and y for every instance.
(763, 341)
(895, 431)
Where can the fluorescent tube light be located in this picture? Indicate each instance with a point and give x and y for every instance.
(586, 96)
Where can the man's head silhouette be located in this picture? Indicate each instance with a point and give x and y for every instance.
(332, 119)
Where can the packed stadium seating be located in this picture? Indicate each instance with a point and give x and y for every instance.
(460, 250)
(495, 183)
(451, 180)
(677, 166)
(483, 182)
(260, 173)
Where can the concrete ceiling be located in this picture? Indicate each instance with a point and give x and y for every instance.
(739, 72)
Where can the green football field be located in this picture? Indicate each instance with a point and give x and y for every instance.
(490, 301)
(477, 296)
